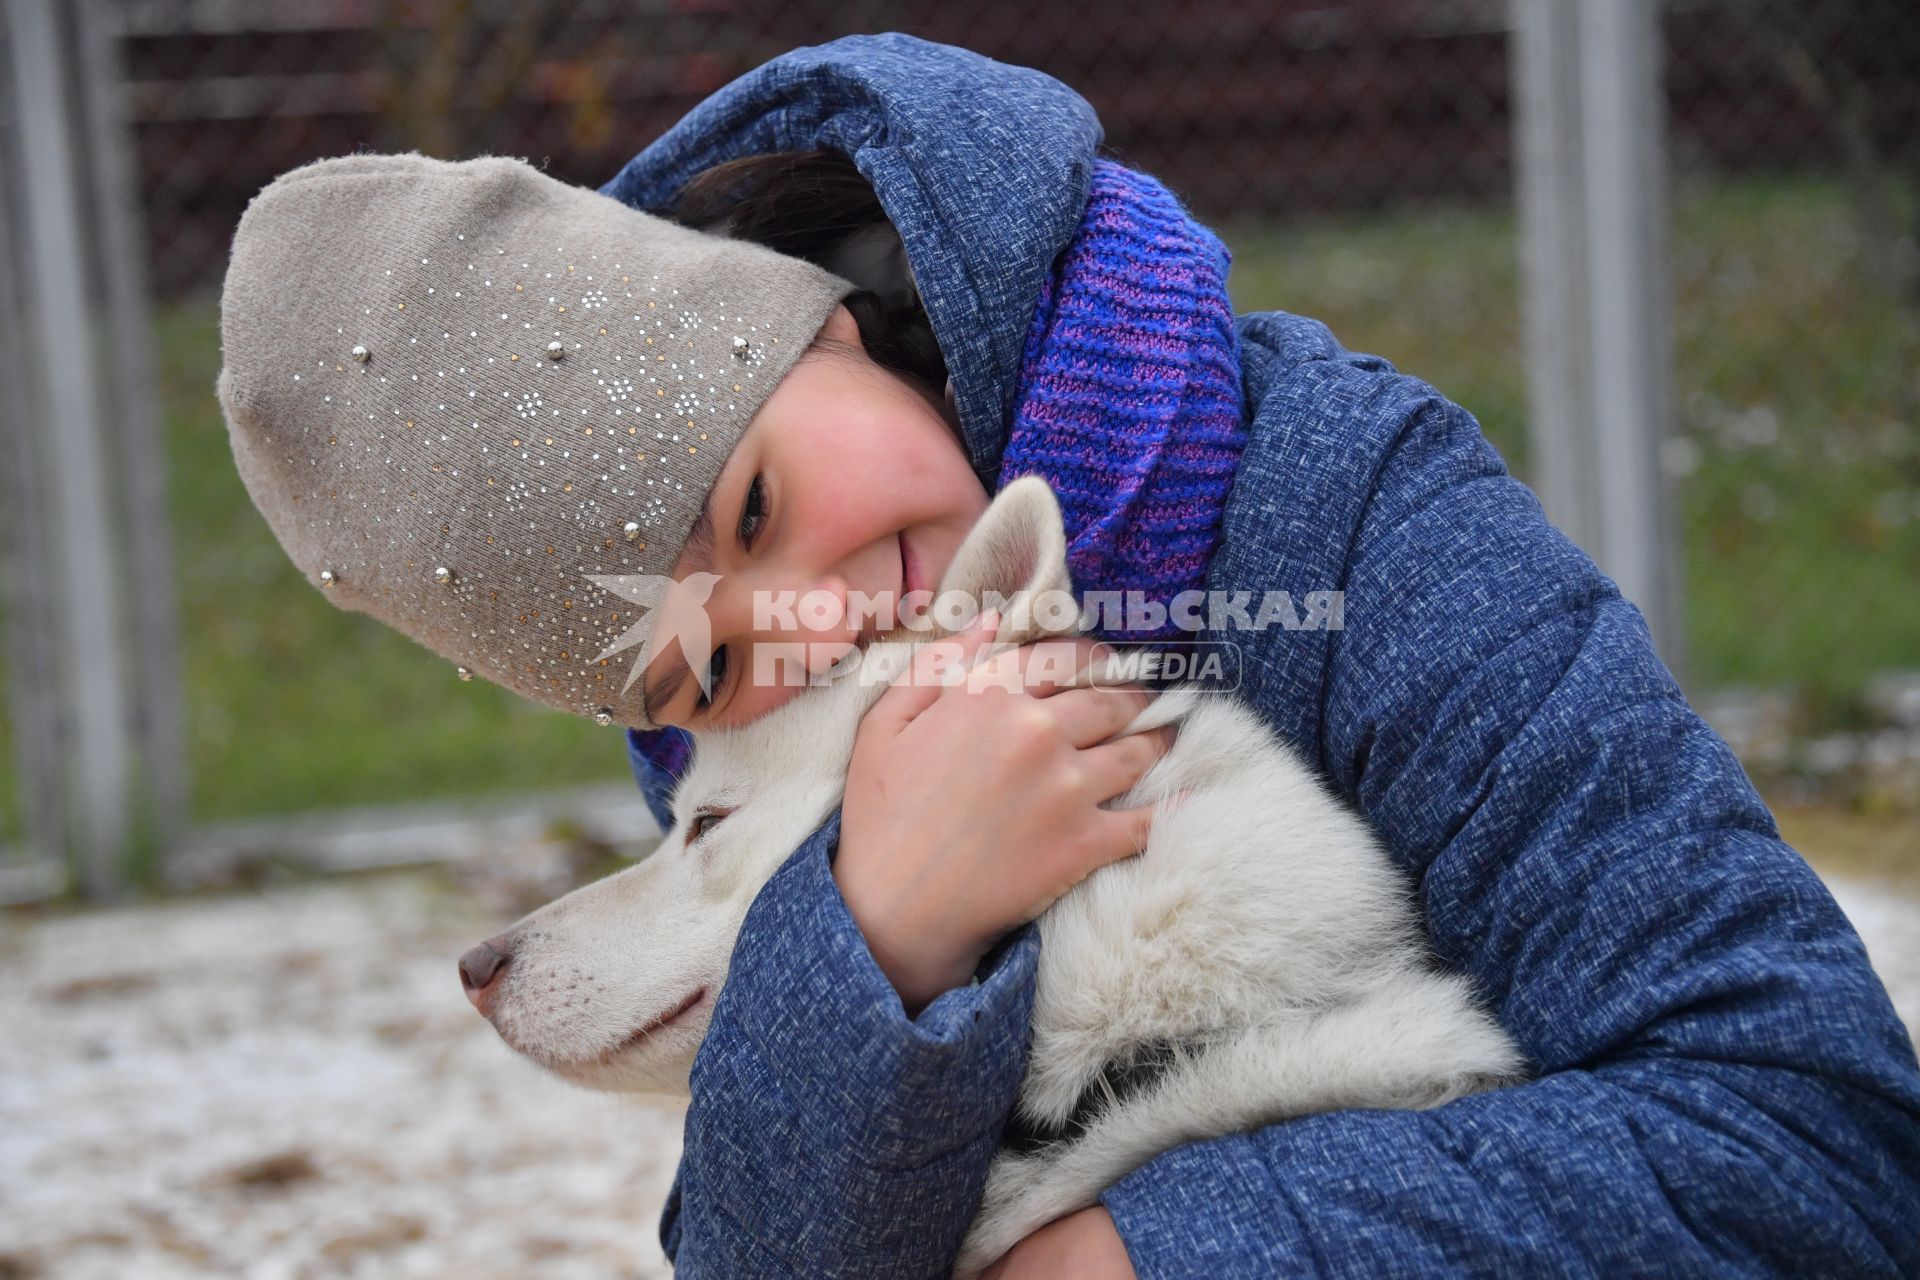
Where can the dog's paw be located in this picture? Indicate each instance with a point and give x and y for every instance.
(987, 1240)
(1019, 1199)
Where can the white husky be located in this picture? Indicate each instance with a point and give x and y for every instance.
(1259, 960)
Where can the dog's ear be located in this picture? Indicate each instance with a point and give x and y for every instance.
(1017, 552)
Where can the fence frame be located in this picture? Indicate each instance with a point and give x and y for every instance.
(1589, 148)
(97, 680)
(95, 688)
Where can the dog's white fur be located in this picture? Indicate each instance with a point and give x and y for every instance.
(1262, 934)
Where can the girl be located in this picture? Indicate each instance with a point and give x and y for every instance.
(1721, 1082)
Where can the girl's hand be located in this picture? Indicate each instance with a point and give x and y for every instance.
(972, 805)
(1080, 1246)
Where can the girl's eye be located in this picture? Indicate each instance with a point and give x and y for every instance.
(753, 512)
(702, 823)
(715, 682)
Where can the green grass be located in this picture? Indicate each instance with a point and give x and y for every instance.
(296, 704)
(1795, 377)
(1436, 292)
(1800, 519)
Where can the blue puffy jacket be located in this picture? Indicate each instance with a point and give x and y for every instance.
(1722, 1084)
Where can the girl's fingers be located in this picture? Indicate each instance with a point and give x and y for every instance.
(1121, 833)
(916, 688)
(1091, 716)
(1114, 767)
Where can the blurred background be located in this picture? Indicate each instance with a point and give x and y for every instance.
(1666, 251)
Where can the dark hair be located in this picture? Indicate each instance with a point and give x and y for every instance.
(818, 206)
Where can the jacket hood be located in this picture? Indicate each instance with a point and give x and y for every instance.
(982, 167)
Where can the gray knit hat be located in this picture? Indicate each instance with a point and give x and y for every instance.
(485, 406)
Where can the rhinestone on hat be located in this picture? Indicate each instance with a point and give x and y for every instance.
(679, 390)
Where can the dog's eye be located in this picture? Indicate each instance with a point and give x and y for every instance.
(703, 822)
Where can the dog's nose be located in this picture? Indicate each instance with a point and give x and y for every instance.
(478, 969)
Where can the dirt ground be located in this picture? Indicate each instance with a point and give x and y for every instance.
(288, 1083)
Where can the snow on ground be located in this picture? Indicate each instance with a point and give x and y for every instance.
(1887, 916)
(289, 1083)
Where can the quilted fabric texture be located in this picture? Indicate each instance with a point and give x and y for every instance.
(1722, 1085)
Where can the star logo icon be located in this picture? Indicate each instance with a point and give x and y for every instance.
(664, 615)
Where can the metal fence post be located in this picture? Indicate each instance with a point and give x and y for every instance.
(156, 709)
(1589, 127)
(36, 869)
(59, 361)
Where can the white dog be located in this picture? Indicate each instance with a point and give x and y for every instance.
(1259, 960)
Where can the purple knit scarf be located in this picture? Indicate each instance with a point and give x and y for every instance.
(1129, 398)
(1128, 403)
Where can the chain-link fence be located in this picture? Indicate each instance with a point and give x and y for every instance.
(1795, 141)
(1357, 157)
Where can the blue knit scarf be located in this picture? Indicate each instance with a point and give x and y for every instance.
(1128, 403)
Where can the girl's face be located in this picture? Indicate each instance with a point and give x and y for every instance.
(850, 484)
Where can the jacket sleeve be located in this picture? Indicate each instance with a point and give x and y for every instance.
(1721, 1084)
(829, 1135)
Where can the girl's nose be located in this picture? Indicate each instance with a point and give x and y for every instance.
(769, 607)
(828, 621)
(823, 611)
(787, 633)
